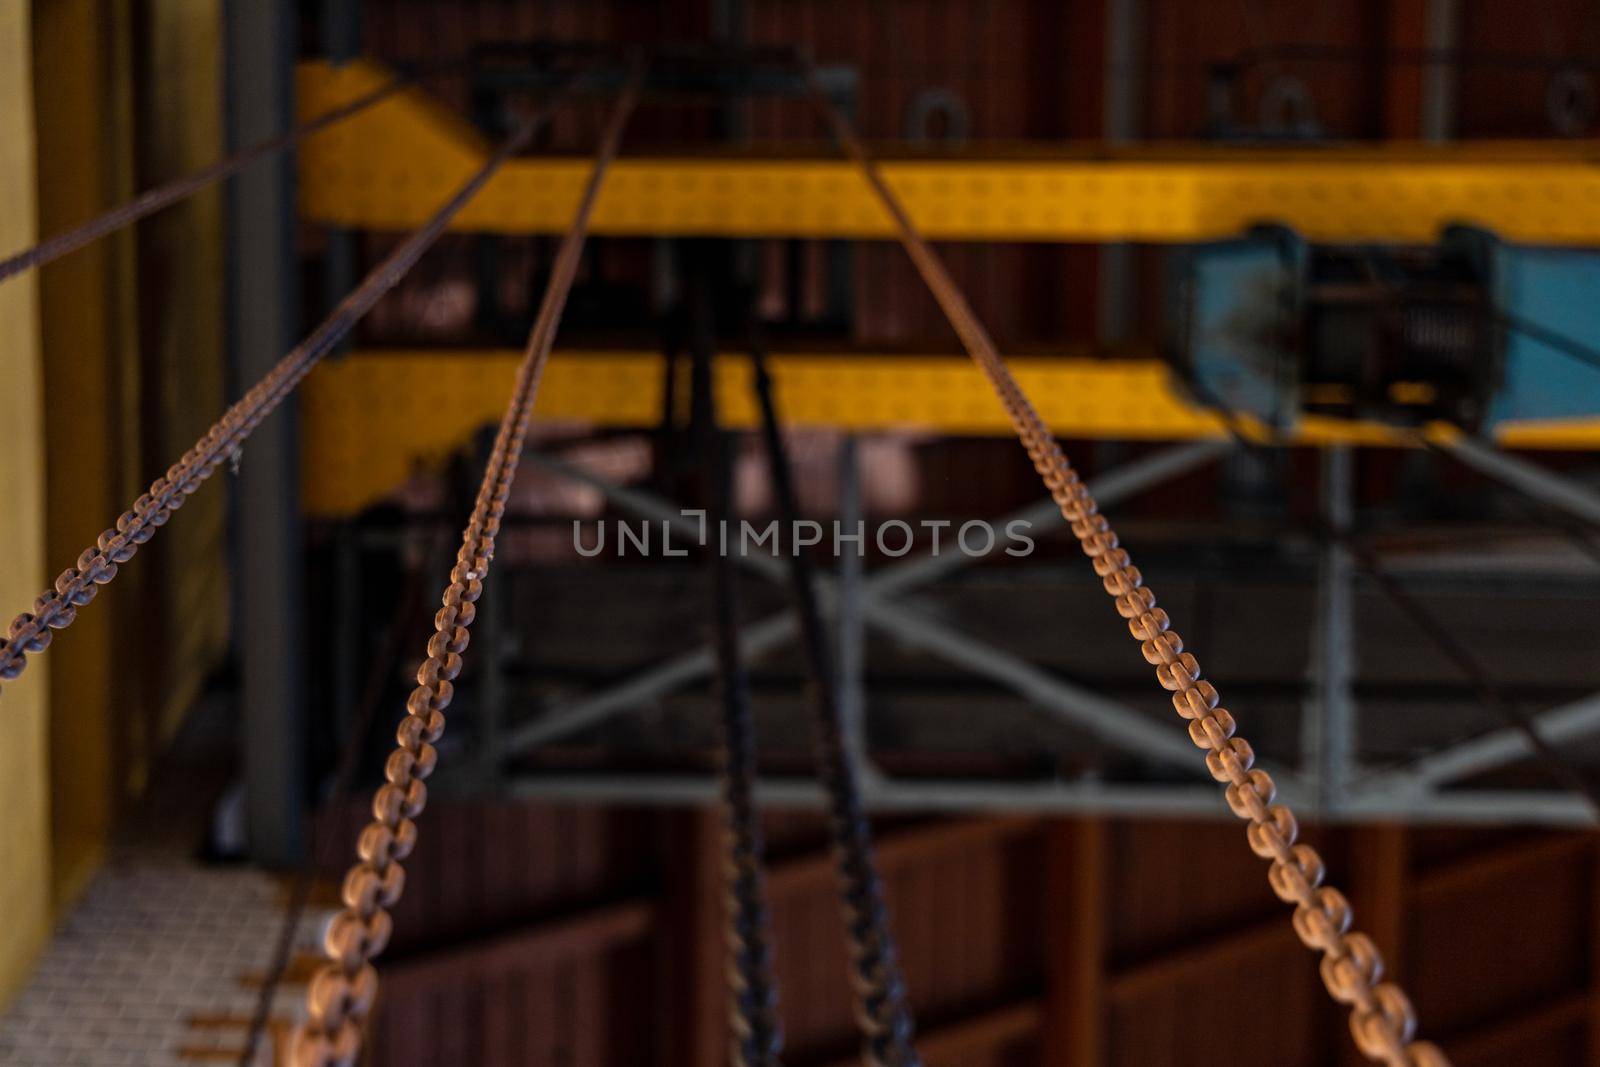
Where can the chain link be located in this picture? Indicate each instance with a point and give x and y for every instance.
(56, 608)
(882, 1010)
(756, 1031)
(1382, 1020)
(752, 987)
(341, 994)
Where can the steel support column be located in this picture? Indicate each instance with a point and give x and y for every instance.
(1124, 96)
(1329, 726)
(260, 41)
(1442, 32)
(850, 635)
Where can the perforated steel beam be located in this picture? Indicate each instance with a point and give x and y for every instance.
(371, 419)
(384, 169)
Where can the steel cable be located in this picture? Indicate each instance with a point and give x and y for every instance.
(55, 609)
(1570, 347)
(169, 193)
(882, 1009)
(1382, 1020)
(342, 993)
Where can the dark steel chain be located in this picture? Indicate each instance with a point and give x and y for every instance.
(341, 994)
(756, 1031)
(55, 609)
(881, 1000)
(1382, 1020)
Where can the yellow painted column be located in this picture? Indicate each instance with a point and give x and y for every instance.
(182, 269)
(24, 831)
(90, 357)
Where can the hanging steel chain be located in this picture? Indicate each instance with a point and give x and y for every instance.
(342, 993)
(881, 1000)
(55, 609)
(752, 986)
(753, 1019)
(1382, 1020)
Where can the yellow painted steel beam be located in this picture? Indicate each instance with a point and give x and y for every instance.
(389, 167)
(369, 421)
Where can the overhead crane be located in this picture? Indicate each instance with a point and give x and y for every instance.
(386, 167)
(1382, 1021)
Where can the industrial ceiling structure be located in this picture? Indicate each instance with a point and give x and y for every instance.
(722, 345)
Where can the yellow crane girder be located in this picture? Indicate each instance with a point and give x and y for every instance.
(371, 420)
(390, 166)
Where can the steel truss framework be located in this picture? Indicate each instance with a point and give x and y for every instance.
(1330, 777)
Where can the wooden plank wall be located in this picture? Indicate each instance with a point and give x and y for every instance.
(535, 935)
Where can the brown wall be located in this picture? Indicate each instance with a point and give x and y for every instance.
(560, 935)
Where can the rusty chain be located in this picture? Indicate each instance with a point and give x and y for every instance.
(341, 994)
(755, 1028)
(55, 609)
(882, 1010)
(1382, 1020)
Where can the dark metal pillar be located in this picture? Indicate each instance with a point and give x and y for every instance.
(341, 42)
(1124, 69)
(260, 40)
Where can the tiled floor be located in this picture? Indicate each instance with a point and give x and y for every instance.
(157, 964)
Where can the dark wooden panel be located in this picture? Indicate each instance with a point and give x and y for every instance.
(1500, 932)
(1269, 996)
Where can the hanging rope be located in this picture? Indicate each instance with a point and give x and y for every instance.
(1382, 1020)
(30, 632)
(881, 1007)
(342, 992)
(165, 195)
(756, 1032)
